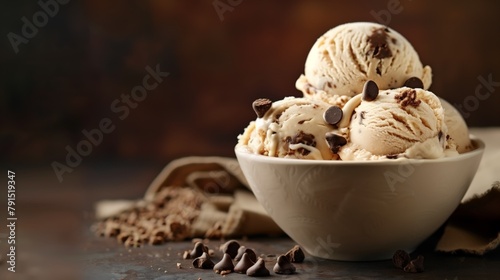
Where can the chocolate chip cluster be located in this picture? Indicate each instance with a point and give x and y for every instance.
(243, 260)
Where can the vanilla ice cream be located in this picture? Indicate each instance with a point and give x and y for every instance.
(347, 56)
(402, 122)
(457, 127)
(289, 128)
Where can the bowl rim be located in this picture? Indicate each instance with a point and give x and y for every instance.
(479, 145)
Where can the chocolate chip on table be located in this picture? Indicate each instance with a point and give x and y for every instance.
(414, 82)
(295, 255)
(226, 264)
(242, 250)
(335, 141)
(333, 115)
(198, 250)
(416, 265)
(244, 264)
(231, 248)
(203, 262)
(370, 91)
(283, 266)
(258, 269)
(400, 259)
(261, 106)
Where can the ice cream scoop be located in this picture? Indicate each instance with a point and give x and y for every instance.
(457, 127)
(346, 56)
(289, 128)
(402, 122)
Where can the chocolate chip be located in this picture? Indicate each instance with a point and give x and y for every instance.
(231, 248)
(408, 97)
(370, 91)
(295, 255)
(416, 265)
(378, 43)
(333, 115)
(225, 264)
(203, 262)
(302, 138)
(261, 106)
(244, 264)
(242, 250)
(284, 266)
(197, 251)
(400, 259)
(335, 141)
(414, 82)
(258, 269)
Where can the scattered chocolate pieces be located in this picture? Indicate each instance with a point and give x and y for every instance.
(408, 97)
(414, 82)
(335, 141)
(333, 115)
(231, 248)
(242, 250)
(168, 217)
(295, 255)
(400, 259)
(258, 269)
(370, 91)
(283, 266)
(225, 264)
(261, 106)
(203, 262)
(244, 264)
(198, 250)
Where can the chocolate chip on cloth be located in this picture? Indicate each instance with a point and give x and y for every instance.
(258, 269)
(474, 227)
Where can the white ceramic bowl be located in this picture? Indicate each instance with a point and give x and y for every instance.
(352, 210)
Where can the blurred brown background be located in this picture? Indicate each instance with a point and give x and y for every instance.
(220, 56)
